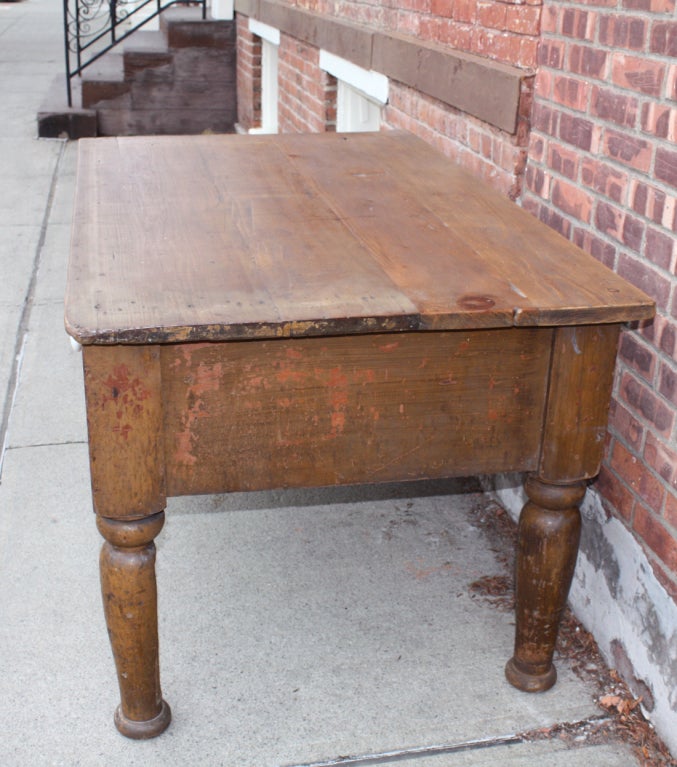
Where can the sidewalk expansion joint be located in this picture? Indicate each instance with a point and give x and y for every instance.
(22, 330)
(578, 731)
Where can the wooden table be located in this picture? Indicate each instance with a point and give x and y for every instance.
(306, 310)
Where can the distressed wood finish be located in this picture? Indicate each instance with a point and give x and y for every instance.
(309, 310)
(124, 421)
(129, 594)
(352, 409)
(269, 236)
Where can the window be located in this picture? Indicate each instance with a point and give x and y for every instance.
(270, 43)
(361, 94)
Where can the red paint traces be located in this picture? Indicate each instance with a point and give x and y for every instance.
(290, 376)
(206, 379)
(125, 393)
(391, 347)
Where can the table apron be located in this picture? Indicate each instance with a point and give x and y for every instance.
(352, 409)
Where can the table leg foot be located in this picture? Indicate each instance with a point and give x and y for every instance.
(528, 682)
(130, 728)
(548, 536)
(129, 595)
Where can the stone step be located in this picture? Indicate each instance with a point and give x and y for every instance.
(104, 80)
(57, 120)
(178, 79)
(143, 50)
(185, 28)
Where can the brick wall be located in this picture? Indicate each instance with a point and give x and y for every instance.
(505, 31)
(248, 75)
(491, 154)
(602, 170)
(307, 99)
(307, 94)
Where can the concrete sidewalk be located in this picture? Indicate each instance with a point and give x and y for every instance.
(296, 628)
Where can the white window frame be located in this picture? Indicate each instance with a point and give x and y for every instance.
(361, 94)
(270, 43)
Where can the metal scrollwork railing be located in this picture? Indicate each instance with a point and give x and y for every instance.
(93, 27)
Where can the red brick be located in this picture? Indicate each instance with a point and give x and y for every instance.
(584, 60)
(491, 14)
(628, 149)
(633, 232)
(562, 160)
(670, 512)
(578, 23)
(601, 250)
(668, 337)
(571, 92)
(638, 356)
(638, 73)
(647, 200)
(666, 166)
(609, 219)
(671, 84)
(661, 459)
(645, 277)
(643, 401)
(620, 31)
(546, 119)
(659, 120)
(664, 38)
(577, 131)
(551, 53)
(604, 178)
(615, 493)
(636, 475)
(656, 536)
(523, 19)
(464, 11)
(572, 200)
(549, 20)
(441, 7)
(659, 248)
(623, 424)
(538, 181)
(614, 107)
(667, 385)
(654, 6)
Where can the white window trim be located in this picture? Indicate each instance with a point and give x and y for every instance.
(374, 85)
(264, 31)
(269, 89)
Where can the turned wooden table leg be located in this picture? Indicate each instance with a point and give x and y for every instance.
(130, 603)
(548, 536)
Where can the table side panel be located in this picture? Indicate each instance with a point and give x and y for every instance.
(352, 409)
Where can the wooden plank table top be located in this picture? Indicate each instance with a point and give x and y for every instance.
(304, 310)
(225, 237)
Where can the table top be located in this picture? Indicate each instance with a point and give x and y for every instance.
(181, 238)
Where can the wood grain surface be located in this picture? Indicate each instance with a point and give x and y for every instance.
(205, 238)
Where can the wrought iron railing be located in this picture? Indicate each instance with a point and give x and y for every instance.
(93, 27)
